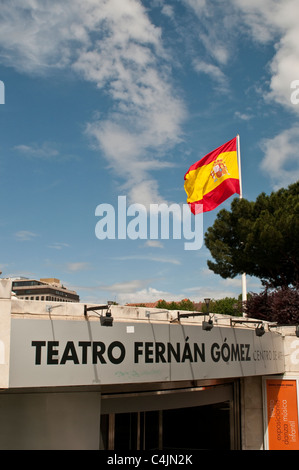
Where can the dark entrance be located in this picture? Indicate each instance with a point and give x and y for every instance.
(195, 428)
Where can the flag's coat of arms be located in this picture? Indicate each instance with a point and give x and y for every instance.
(219, 169)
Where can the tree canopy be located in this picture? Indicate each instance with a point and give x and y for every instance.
(277, 305)
(185, 304)
(259, 238)
(225, 306)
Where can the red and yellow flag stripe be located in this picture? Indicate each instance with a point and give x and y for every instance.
(213, 179)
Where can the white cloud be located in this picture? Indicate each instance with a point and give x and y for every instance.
(44, 151)
(77, 266)
(149, 294)
(125, 287)
(216, 288)
(36, 35)
(168, 10)
(218, 291)
(276, 21)
(214, 72)
(115, 46)
(198, 6)
(280, 162)
(149, 117)
(256, 15)
(210, 292)
(153, 244)
(216, 29)
(134, 291)
(218, 49)
(25, 235)
(243, 116)
(58, 246)
(156, 259)
(144, 191)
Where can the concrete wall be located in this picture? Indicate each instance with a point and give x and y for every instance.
(50, 421)
(252, 429)
(5, 323)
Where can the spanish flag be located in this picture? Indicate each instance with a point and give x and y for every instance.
(213, 179)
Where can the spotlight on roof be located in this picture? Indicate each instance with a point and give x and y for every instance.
(207, 325)
(106, 320)
(260, 330)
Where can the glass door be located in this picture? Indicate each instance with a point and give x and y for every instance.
(195, 428)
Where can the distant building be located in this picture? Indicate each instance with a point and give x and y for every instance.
(49, 289)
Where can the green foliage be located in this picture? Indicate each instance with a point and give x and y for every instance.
(226, 306)
(260, 238)
(162, 304)
(184, 304)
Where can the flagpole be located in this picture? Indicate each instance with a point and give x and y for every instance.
(244, 287)
(239, 165)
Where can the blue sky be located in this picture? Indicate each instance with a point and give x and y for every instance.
(119, 97)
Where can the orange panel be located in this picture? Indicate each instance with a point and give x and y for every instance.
(282, 414)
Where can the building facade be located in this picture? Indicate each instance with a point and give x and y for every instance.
(123, 379)
(48, 289)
